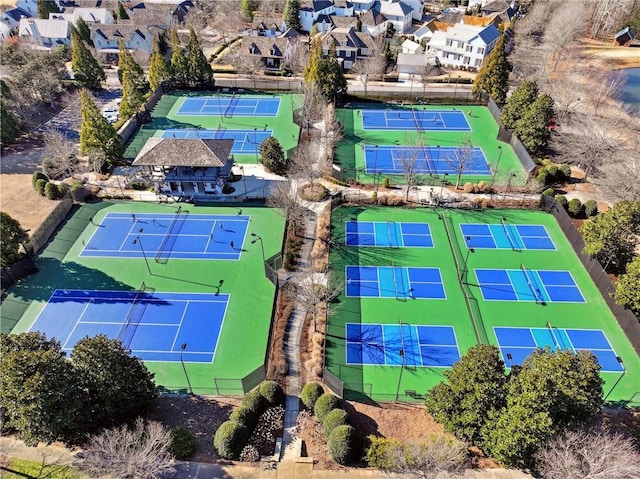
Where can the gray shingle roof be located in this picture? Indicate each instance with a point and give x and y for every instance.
(184, 152)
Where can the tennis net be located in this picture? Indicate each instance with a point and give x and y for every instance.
(553, 336)
(164, 251)
(534, 290)
(417, 122)
(134, 316)
(228, 112)
(508, 233)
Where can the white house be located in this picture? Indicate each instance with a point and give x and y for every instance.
(410, 65)
(417, 7)
(106, 37)
(362, 5)
(373, 23)
(310, 12)
(5, 31)
(29, 6)
(397, 13)
(89, 15)
(343, 8)
(12, 17)
(44, 34)
(411, 47)
(463, 46)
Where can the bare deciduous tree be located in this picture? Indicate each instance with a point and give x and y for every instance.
(375, 64)
(250, 65)
(59, 155)
(620, 180)
(589, 455)
(313, 105)
(123, 452)
(459, 158)
(332, 134)
(565, 26)
(284, 196)
(315, 292)
(568, 95)
(603, 85)
(297, 59)
(305, 165)
(609, 15)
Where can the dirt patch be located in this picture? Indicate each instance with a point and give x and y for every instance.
(201, 415)
(20, 201)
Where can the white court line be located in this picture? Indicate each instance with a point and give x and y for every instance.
(184, 311)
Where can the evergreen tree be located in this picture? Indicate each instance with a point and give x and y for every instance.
(8, 120)
(200, 72)
(12, 236)
(159, 68)
(272, 156)
(494, 74)
(86, 69)
(533, 128)
(122, 13)
(310, 73)
(331, 79)
(45, 7)
(132, 99)
(179, 63)
(518, 103)
(96, 133)
(126, 63)
(628, 287)
(84, 31)
(292, 14)
(247, 7)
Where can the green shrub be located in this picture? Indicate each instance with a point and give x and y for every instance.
(254, 401)
(575, 207)
(246, 416)
(385, 182)
(40, 185)
(138, 185)
(182, 444)
(272, 392)
(590, 208)
(379, 452)
(562, 200)
(374, 197)
(310, 394)
(341, 444)
(564, 171)
(38, 175)
(325, 403)
(553, 171)
(543, 176)
(63, 189)
(230, 438)
(51, 191)
(335, 418)
(549, 192)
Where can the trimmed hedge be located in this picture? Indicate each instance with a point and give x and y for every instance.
(310, 394)
(335, 418)
(341, 444)
(325, 404)
(51, 191)
(38, 175)
(272, 392)
(562, 200)
(230, 438)
(379, 453)
(590, 208)
(41, 185)
(246, 416)
(385, 182)
(254, 401)
(575, 207)
(182, 444)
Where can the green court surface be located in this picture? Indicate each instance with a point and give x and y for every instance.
(349, 154)
(242, 343)
(164, 118)
(473, 319)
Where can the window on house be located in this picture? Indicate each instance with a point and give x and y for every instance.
(449, 43)
(481, 50)
(466, 60)
(478, 62)
(468, 48)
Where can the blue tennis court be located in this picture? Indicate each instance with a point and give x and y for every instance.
(153, 325)
(401, 345)
(388, 234)
(394, 282)
(541, 286)
(244, 141)
(425, 160)
(518, 343)
(414, 119)
(506, 236)
(164, 236)
(229, 106)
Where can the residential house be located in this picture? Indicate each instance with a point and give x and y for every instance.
(399, 14)
(89, 15)
(328, 22)
(409, 65)
(5, 31)
(343, 8)
(425, 32)
(416, 7)
(43, 34)
(310, 10)
(349, 44)
(360, 6)
(149, 14)
(66, 5)
(268, 27)
(464, 46)
(275, 53)
(505, 11)
(412, 48)
(13, 16)
(373, 23)
(623, 37)
(29, 6)
(106, 37)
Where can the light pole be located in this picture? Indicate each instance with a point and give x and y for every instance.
(437, 158)
(255, 142)
(182, 348)
(138, 240)
(259, 238)
(495, 171)
(506, 192)
(411, 87)
(244, 182)
(624, 370)
(466, 258)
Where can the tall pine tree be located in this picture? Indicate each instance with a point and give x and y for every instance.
(84, 31)
(331, 79)
(86, 69)
(126, 63)
(179, 63)
(45, 7)
(8, 120)
(247, 8)
(533, 128)
(494, 74)
(95, 132)
(200, 72)
(310, 73)
(159, 68)
(122, 13)
(292, 14)
(132, 98)
(518, 103)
